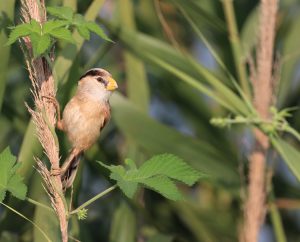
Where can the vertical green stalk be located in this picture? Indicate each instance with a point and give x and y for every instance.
(236, 45)
(7, 8)
(277, 223)
(136, 79)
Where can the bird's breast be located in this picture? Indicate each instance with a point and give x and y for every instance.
(82, 120)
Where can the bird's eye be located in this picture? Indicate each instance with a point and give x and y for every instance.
(102, 80)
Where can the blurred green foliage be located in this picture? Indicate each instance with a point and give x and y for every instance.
(168, 94)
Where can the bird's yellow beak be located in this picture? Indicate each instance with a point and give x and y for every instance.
(112, 84)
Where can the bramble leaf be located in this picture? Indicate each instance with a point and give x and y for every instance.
(19, 31)
(9, 179)
(78, 19)
(61, 12)
(97, 30)
(35, 26)
(83, 31)
(53, 24)
(171, 166)
(40, 43)
(157, 174)
(63, 34)
(22, 30)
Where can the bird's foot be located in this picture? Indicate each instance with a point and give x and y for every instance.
(59, 123)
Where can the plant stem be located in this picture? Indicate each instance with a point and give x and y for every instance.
(36, 203)
(108, 190)
(277, 223)
(236, 45)
(255, 206)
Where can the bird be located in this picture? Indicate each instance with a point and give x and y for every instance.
(83, 118)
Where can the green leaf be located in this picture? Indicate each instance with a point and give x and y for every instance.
(97, 30)
(9, 180)
(35, 26)
(171, 166)
(290, 155)
(78, 19)
(63, 34)
(19, 31)
(83, 31)
(53, 24)
(157, 174)
(183, 66)
(61, 12)
(164, 186)
(22, 30)
(40, 43)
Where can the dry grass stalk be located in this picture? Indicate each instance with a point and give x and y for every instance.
(255, 206)
(44, 115)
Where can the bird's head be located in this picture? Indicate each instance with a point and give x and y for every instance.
(97, 83)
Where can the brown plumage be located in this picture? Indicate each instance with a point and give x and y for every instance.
(84, 117)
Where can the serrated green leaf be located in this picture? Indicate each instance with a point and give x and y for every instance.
(53, 24)
(35, 26)
(10, 181)
(171, 166)
(62, 34)
(40, 43)
(19, 31)
(118, 173)
(128, 187)
(17, 187)
(83, 31)
(61, 12)
(97, 30)
(78, 19)
(164, 186)
(156, 174)
(130, 163)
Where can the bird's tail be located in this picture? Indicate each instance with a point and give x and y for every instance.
(70, 168)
